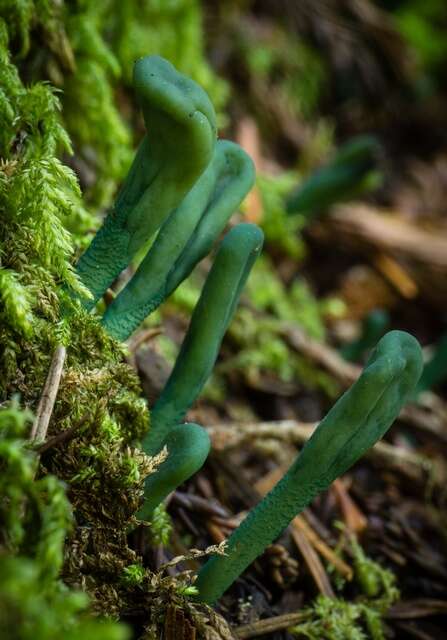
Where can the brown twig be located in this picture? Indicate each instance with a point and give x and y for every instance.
(354, 519)
(269, 625)
(264, 485)
(249, 139)
(215, 532)
(363, 223)
(320, 353)
(396, 275)
(142, 337)
(138, 340)
(48, 398)
(229, 436)
(201, 505)
(313, 562)
(417, 608)
(63, 436)
(299, 523)
(431, 418)
(300, 533)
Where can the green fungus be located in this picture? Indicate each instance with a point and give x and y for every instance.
(188, 446)
(234, 259)
(181, 126)
(435, 370)
(350, 173)
(359, 418)
(185, 238)
(184, 185)
(373, 327)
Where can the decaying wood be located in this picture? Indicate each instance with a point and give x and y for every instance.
(48, 398)
(396, 275)
(249, 139)
(422, 254)
(321, 354)
(177, 626)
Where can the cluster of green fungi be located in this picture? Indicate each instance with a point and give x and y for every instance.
(184, 185)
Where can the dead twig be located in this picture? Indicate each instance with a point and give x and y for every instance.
(48, 398)
(264, 485)
(418, 608)
(387, 232)
(215, 532)
(63, 436)
(143, 336)
(269, 625)
(299, 523)
(396, 275)
(431, 418)
(313, 562)
(320, 353)
(193, 554)
(300, 537)
(232, 435)
(354, 519)
(138, 340)
(201, 505)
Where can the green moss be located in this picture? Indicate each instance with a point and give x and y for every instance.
(68, 43)
(377, 583)
(36, 516)
(99, 391)
(335, 619)
(161, 526)
(170, 28)
(281, 231)
(102, 138)
(339, 619)
(294, 70)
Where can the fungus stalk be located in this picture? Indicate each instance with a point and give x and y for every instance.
(188, 446)
(359, 418)
(210, 319)
(184, 239)
(351, 172)
(181, 126)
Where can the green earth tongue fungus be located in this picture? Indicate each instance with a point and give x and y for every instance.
(234, 259)
(181, 126)
(373, 328)
(349, 173)
(359, 418)
(435, 370)
(188, 447)
(185, 238)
